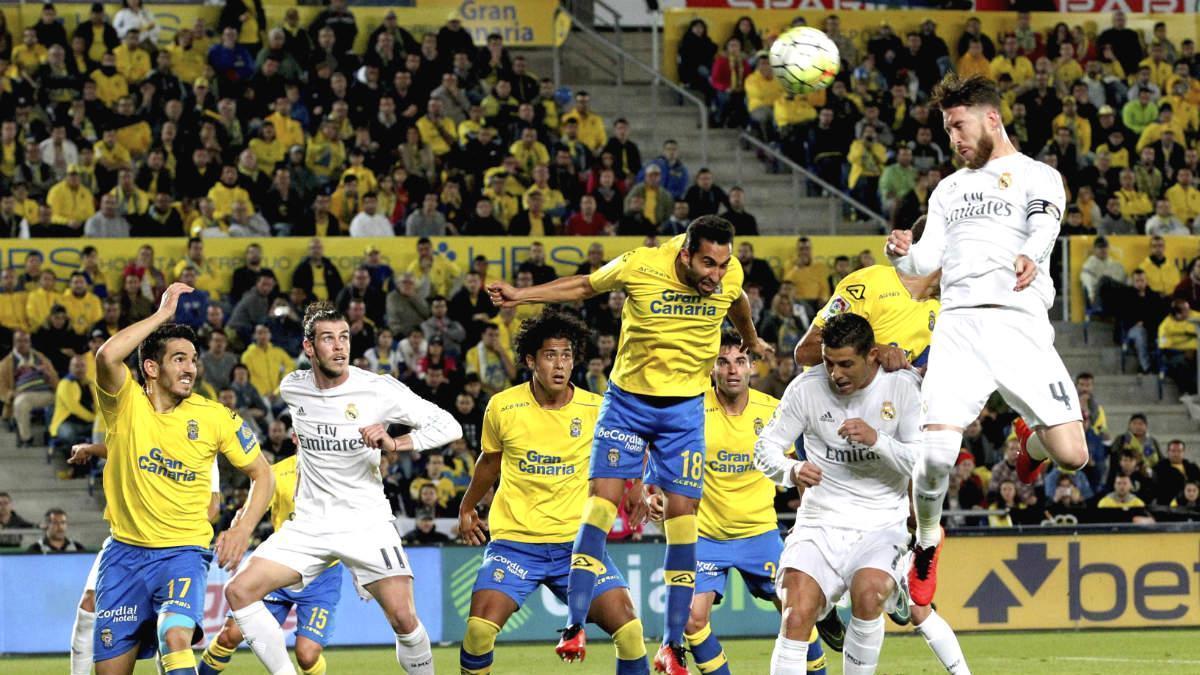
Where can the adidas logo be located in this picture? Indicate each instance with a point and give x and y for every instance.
(300, 411)
(827, 417)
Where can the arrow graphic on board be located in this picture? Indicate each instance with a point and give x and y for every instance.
(993, 600)
(1031, 567)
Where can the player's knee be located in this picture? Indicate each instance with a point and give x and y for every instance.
(869, 598)
(307, 653)
(175, 639)
(696, 621)
(230, 636)
(798, 620)
(88, 602)
(240, 593)
(403, 619)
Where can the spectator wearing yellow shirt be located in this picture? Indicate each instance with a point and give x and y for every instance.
(12, 302)
(591, 126)
(470, 127)
(267, 363)
(189, 61)
(1135, 205)
(809, 278)
(432, 272)
(287, 130)
(1160, 68)
(552, 200)
(346, 201)
(325, 154)
(268, 149)
(974, 62)
(435, 470)
(1066, 69)
(1080, 128)
(206, 278)
(492, 361)
(74, 407)
(762, 91)
(1010, 61)
(226, 192)
(111, 84)
(529, 152)
(1161, 274)
(1184, 197)
(867, 158)
(504, 205)
(1177, 344)
(367, 182)
(136, 136)
(1123, 498)
(111, 156)
(28, 55)
(41, 299)
(131, 61)
(71, 203)
(83, 307)
(437, 130)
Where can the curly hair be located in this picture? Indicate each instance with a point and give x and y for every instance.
(552, 324)
(954, 92)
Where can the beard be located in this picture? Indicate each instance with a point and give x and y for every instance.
(330, 370)
(983, 152)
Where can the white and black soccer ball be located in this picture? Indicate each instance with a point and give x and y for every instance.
(805, 60)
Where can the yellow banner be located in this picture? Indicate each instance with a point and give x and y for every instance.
(282, 254)
(1069, 582)
(1129, 250)
(859, 25)
(526, 23)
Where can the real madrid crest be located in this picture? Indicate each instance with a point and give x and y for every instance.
(614, 456)
(576, 427)
(193, 428)
(932, 319)
(758, 426)
(888, 411)
(1005, 180)
(351, 412)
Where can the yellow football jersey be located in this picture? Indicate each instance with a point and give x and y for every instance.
(876, 294)
(738, 501)
(157, 476)
(283, 500)
(544, 465)
(670, 334)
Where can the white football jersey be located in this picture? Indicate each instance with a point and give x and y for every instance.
(339, 475)
(862, 488)
(979, 221)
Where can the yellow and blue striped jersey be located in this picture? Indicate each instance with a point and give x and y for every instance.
(158, 472)
(544, 464)
(738, 501)
(670, 334)
(876, 294)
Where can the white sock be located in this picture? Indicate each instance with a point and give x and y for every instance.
(265, 637)
(81, 642)
(414, 652)
(944, 644)
(864, 639)
(1036, 448)
(790, 657)
(931, 478)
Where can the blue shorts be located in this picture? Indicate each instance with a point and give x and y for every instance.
(135, 585)
(756, 558)
(314, 605)
(516, 569)
(672, 429)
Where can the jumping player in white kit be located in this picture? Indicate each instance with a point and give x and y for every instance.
(861, 430)
(341, 415)
(990, 229)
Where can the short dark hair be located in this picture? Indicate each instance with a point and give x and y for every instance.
(549, 325)
(318, 312)
(154, 347)
(708, 228)
(954, 92)
(55, 511)
(1085, 375)
(848, 330)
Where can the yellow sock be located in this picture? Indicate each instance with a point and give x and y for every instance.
(318, 668)
(183, 659)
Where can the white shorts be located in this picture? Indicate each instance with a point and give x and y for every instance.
(976, 351)
(90, 584)
(832, 556)
(371, 552)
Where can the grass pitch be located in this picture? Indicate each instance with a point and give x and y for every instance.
(1065, 653)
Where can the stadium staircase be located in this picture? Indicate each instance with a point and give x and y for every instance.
(34, 487)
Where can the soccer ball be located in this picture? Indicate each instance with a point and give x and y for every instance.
(805, 60)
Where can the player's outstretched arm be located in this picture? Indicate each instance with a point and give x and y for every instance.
(919, 258)
(566, 289)
(471, 527)
(431, 426)
(232, 543)
(110, 359)
(743, 320)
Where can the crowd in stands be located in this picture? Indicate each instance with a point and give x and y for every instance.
(1117, 113)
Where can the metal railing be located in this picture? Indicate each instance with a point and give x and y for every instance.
(801, 174)
(623, 57)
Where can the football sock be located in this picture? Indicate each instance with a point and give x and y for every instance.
(317, 668)
(631, 649)
(414, 653)
(707, 650)
(586, 557)
(944, 644)
(790, 657)
(215, 659)
(931, 479)
(864, 639)
(1035, 447)
(816, 654)
(679, 573)
(265, 637)
(475, 655)
(81, 642)
(182, 662)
